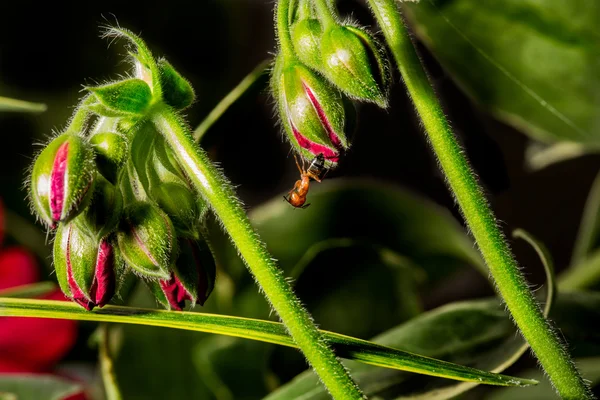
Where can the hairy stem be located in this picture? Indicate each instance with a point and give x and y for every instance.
(81, 115)
(283, 29)
(510, 282)
(325, 12)
(228, 100)
(217, 192)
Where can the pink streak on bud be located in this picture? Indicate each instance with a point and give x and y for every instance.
(103, 286)
(332, 135)
(175, 292)
(57, 181)
(77, 294)
(313, 147)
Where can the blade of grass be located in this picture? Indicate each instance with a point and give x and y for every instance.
(265, 331)
(14, 105)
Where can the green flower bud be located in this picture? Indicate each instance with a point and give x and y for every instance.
(353, 61)
(306, 37)
(193, 276)
(62, 179)
(177, 91)
(102, 216)
(146, 240)
(180, 203)
(85, 266)
(312, 111)
(111, 153)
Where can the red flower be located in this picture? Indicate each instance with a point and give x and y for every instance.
(29, 344)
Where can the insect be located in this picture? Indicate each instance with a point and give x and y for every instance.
(297, 196)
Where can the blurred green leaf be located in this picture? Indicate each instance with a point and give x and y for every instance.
(588, 237)
(584, 271)
(232, 368)
(14, 105)
(534, 64)
(36, 387)
(589, 367)
(476, 333)
(375, 213)
(30, 290)
(541, 155)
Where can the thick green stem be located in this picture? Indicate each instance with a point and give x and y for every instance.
(217, 192)
(81, 115)
(326, 13)
(510, 282)
(283, 29)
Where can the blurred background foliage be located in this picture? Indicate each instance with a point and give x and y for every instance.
(382, 247)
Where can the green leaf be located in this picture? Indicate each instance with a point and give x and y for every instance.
(36, 387)
(584, 271)
(271, 332)
(477, 333)
(407, 224)
(589, 367)
(14, 105)
(534, 64)
(588, 237)
(540, 155)
(123, 98)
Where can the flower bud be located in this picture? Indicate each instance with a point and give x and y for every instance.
(146, 240)
(353, 61)
(312, 111)
(193, 276)
(111, 152)
(85, 266)
(62, 179)
(306, 37)
(180, 203)
(102, 216)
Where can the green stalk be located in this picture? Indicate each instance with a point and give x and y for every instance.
(109, 378)
(217, 192)
(510, 282)
(283, 29)
(228, 100)
(81, 115)
(326, 13)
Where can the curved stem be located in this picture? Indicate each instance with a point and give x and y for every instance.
(81, 115)
(111, 387)
(260, 330)
(283, 29)
(326, 13)
(217, 192)
(510, 282)
(228, 100)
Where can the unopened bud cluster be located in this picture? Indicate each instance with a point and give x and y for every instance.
(312, 81)
(116, 199)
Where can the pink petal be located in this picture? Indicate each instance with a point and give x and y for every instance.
(57, 181)
(103, 286)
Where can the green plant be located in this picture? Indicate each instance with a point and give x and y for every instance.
(133, 197)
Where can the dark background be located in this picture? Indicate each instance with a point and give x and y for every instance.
(46, 55)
